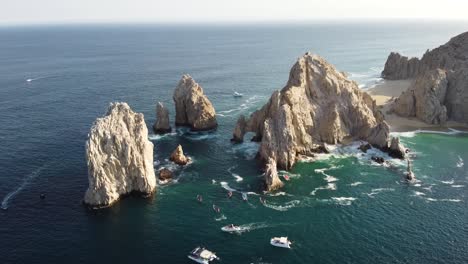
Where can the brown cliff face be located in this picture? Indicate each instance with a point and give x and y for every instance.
(439, 91)
(318, 105)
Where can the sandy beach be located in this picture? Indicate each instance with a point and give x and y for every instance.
(385, 92)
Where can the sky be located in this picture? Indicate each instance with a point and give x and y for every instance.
(183, 11)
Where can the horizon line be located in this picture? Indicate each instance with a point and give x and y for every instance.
(227, 22)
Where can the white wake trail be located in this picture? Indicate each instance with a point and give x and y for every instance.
(26, 181)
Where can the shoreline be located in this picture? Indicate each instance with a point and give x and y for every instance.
(384, 93)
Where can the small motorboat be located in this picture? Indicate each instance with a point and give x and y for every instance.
(280, 242)
(286, 177)
(202, 255)
(231, 228)
(216, 208)
(244, 197)
(236, 94)
(229, 195)
(199, 198)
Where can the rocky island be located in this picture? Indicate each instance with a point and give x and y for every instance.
(119, 157)
(193, 108)
(438, 89)
(318, 106)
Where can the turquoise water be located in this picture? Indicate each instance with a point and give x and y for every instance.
(339, 209)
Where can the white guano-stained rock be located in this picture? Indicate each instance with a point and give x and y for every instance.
(119, 157)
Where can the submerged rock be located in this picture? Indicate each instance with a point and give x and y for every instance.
(318, 106)
(119, 157)
(364, 147)
(193, 108)
(178, 156)
(439, 91)
(379, 160)
(409, 173)
(165, 174)
(162, 125)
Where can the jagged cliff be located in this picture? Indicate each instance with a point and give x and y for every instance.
(119, 157)
(318, 105)
(193, 108)
(439, 91)
(162, 124)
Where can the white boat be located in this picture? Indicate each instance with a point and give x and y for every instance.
(280, 242)
(236, 94)
(202, 255)
(231, 228)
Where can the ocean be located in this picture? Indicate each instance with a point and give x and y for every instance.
(56, 80)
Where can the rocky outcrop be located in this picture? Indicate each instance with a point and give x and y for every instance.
(178, 156)
(193, 108)
(119, 157)
(425, 98)
(318, 105)
(396, 149)
(162, 125)
(165, 174)
(439, 91)
(272, 180)
(409, 172)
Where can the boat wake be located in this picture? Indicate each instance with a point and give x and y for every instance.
(356, 183)
(236, 176)
(282, 207)
(343, 200)
(374, 192)
(226, 186)
(161, 136)
(26, 181)
(252, 101)
(460, 162)
(221, 218)
(330, 186)
(29, 80)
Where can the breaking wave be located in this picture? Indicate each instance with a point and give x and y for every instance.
(411, 134)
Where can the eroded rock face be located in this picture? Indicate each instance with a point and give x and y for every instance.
(397, 150)
(162, 124)
(272, 180)
(425, 98)
(193, 108)
(119, 157)
(318, 105)
(440, 88)
(178, 156)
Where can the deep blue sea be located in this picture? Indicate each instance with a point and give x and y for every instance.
(55, 81)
